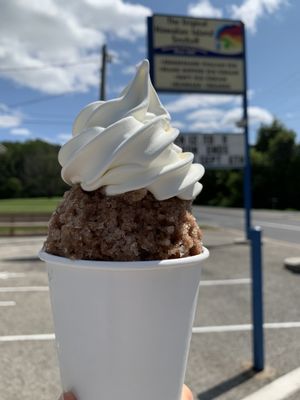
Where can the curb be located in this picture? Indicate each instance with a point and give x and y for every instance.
(282, 388)
(292, 264)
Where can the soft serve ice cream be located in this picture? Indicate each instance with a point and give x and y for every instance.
(126, 144)
(132, 187)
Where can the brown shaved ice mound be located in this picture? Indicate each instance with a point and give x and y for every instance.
(129, 227)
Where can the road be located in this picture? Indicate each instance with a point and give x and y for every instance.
(279, 225)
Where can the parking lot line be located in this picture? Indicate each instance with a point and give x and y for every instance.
(8, 275)
(8, 303)
(244, 327)
(216, 282)
(280, 226)
(196, 329)
(16, 289)
(22, 338)
(12, 289)
(279, 389)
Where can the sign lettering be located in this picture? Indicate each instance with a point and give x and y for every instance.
(214, 151)
(196, 55)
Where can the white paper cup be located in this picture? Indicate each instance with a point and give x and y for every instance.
(123, 329)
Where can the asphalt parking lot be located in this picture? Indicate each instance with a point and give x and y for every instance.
(220, 359)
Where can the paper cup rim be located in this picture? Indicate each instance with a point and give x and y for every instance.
(125, 265)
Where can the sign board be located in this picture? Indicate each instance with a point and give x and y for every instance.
(214, 151)
(196, 54)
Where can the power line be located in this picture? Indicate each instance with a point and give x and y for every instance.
(46, 122)
(38, 100)
(47, 115)
(30, 118)
(47, 66)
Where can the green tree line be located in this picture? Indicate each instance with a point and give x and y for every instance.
(275, 165)
(31, 169)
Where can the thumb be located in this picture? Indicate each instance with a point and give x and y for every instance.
(186, 393)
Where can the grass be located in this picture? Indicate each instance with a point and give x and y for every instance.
(23, 230)
(29, 206)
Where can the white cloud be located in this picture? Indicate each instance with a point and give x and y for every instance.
(129, 70)
(9, 121)
(250, 11)
(250, 94)
(204, 8)
(206, 114)
(63, 137)
(192, 101)
(214, 120)
(9, 118)
(178, 124)
(20, 132)
(258, 115)
(38, 33)
(122, 19)
(207, 126)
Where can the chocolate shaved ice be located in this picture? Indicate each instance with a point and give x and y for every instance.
(132, 226)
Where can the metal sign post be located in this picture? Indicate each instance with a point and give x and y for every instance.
(207, 55)
(247, 168)
(257, 299)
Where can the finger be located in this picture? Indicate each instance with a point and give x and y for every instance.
(186, 393)
(67, 396)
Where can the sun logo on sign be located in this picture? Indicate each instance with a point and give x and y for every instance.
(229, 38)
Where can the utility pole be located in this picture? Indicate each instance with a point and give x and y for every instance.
(105, 58)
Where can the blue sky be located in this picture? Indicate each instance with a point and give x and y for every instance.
(50, 57)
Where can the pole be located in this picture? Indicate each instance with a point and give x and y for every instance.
(247, 167)
(247, 172)
(103, 73)
(257, 299)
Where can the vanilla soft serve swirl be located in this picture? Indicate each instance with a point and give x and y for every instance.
(126, 144)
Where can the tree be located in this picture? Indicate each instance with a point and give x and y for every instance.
(222, 188)
(30, 169)
(272, 160)
(275, 160)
